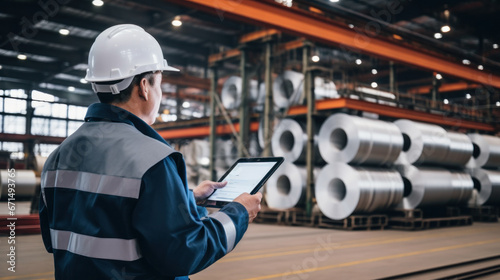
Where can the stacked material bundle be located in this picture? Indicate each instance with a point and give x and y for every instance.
(232, 92)
(342, 189)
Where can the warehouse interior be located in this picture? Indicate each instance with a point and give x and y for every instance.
(384, 110)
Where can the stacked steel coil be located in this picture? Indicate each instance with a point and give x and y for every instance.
(287, 89)
(25, 184)
(486, 151)
(232, 92)
(356, 140)
(342, 190)
(487, 184)
(289, 140)
(286, 188)
(433, 186)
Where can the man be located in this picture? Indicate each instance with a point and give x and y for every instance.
(115, 204)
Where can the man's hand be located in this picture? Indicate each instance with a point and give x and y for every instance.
(251, 203)
(205, 189)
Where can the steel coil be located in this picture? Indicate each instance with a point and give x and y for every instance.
(286, 188)
(487, 184)
(289, 140)
(460, 150)
(486, 150)
(196, 153)
(432, 186)
(342, 190)
(23, 180)
(287, 89)
(423, 143)
(356, 140)
(232, 92)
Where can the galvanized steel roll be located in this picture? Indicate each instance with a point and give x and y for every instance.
(287, 89)
(289, 140)
(423, 143)
(432, 186)
(357, 140)
(460, 150)
(487, 184)
(286, 188)
(24, 181)
(342, 190)
(486, 150)
(232, 92)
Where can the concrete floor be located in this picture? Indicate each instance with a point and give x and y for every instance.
(298, 253)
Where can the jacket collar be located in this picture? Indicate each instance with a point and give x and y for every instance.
(106, 112)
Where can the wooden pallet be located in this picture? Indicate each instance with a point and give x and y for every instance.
(483, 213)
(365, 222)
(270, 216)
(418, 219)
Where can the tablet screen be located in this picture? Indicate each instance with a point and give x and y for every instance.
(244, 177)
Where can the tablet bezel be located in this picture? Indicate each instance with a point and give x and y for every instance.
(277, 162)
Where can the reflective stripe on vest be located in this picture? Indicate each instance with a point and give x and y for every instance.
(94, 183)
(229, 228)
(95, 247)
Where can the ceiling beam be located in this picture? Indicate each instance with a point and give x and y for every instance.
(317, 28)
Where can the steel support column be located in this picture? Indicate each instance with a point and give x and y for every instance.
(213, 125)
(244, 107)
(434, 90)
(268, 105)
(392, 80)
(309, 93)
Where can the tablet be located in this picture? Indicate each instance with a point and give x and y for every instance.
(246, 175)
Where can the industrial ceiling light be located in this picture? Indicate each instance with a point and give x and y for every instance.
(374, 71)
(83, 81)
(177, 21)
(498, 103)
(97, 3)
(495, 46)
(315, 58)
(71, 89)
(22, 57)
(445, 28)
(446, 101)
(466, 62)
(374, 85)
(438, 76)
(1, 67)
(186, 104)
(334, 1)
(64, 31)
(468, 96)
(480, 67)
(438, 35)
(358, 61)
(351, 26)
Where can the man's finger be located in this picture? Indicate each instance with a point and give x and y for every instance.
(218, 185)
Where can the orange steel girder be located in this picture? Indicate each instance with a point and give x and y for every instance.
(202, 131)
(317, 28)
(444, 88)
(393, 112)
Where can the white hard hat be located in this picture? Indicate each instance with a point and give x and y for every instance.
(121, 52)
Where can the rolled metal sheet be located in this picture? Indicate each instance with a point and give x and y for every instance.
(342, 190)
(433, 186)
(460, 150)
(23, 180)
(356, 140)
(232, 92)
(260, 131)
(196, 153)
(324, 89)
(423, 143)
(487, 184)
(289, 140)
(39, 163)
(486, 150)
(286, 188)
(287, 89)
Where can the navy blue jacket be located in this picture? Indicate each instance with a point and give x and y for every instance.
(115, 205)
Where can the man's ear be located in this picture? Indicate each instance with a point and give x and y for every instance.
(143, 89)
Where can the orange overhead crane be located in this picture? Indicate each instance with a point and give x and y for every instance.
(321, 29)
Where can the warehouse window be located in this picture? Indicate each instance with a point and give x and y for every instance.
(77, 112)
(57, 128)
(41, 108)
(17, 106)
(40, 126)
(38, 95)
(45, 150)
(19, 93)
(14, 124)
(16, 149)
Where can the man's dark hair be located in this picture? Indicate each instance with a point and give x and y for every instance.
(124, 95)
